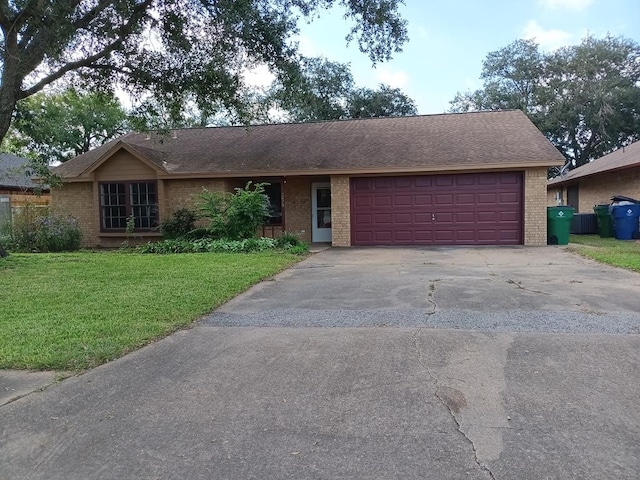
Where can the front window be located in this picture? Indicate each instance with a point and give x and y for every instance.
(120, 201)
(274, 192)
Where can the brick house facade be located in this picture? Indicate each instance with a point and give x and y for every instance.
(476, 178)
(617, 173)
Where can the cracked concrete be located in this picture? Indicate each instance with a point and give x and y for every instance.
(447, 372)
(15, 384)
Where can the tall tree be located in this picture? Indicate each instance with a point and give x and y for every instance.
(584, 98)
(325, 90)
(169, 48)
(56, 127)
(384, 102)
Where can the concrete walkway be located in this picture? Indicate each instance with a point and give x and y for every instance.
(422, 383)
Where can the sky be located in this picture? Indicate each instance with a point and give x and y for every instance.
(449, 39)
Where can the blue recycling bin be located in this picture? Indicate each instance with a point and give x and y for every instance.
(625, 221)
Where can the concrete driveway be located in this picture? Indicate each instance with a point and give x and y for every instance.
(447, 363)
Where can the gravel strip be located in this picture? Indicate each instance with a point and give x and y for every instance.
(513, 321)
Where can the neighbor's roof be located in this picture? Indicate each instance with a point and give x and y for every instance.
(625, 157)
(502, 139)
(14, 172)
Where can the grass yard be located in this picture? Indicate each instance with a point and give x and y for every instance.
(74, 311)
(619, 253)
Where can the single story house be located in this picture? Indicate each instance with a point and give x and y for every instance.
(617, 173)
(452, 179)
(17, 187)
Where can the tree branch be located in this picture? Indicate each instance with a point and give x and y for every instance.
(90, 61)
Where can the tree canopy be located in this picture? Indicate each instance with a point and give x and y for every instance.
(585, 98)
(169, 49)
(56, 127)
(326, 90)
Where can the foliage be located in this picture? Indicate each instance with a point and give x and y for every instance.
(619, 253)
(384, 102)
(38, 229)
(57, 127)
(127, 301)
(234, 216)
(210, 245)
(585, 98)
(174, 50)
(182, 221)
(288, 240)
(325, 90)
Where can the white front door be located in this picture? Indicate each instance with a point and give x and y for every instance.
(320, 212)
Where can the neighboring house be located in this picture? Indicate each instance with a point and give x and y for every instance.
(454, 179)
(16, 186)
(617, 173)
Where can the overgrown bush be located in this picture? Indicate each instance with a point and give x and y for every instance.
(182, 221)
(289, 239)
(235, 216)
(37, 229)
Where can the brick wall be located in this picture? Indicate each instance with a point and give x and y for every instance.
(600, 188)
(77, 199)
(535, 206)
(180, 193)
(551, 196)
(297, 206)
(340, 211)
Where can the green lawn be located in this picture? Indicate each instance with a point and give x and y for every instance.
(77, 310)
(619, 253)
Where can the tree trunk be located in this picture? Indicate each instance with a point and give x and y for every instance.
(7, 105)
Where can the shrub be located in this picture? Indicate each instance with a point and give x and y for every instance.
(289, 239)
(235, 216)
(37, 229)
(182, 222)
(210, 245)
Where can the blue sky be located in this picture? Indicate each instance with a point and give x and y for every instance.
(449, 40)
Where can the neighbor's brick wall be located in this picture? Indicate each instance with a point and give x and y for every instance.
(551, 196)
(535, 206)
(77, 199)
(297, 206)
(340, 211)
(599, 189)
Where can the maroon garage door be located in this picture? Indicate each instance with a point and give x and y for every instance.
(464, 209)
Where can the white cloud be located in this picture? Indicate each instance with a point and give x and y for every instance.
(395, 79)
(259, 76)
(306, 47)
(574, 5)
(547, 39)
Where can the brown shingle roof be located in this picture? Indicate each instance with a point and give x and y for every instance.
(426, 142)
(626, 157)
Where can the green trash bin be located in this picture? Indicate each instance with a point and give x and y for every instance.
(605, 222)
(559, 225)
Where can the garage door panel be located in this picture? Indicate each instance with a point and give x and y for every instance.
(362, 201)
(465, 199)
(422, 218)
(382, 201)
(487, 198)
(465, 217)
(465, 209)
(423, 200)
(402, 200)
(402, 218)
(444, 199)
